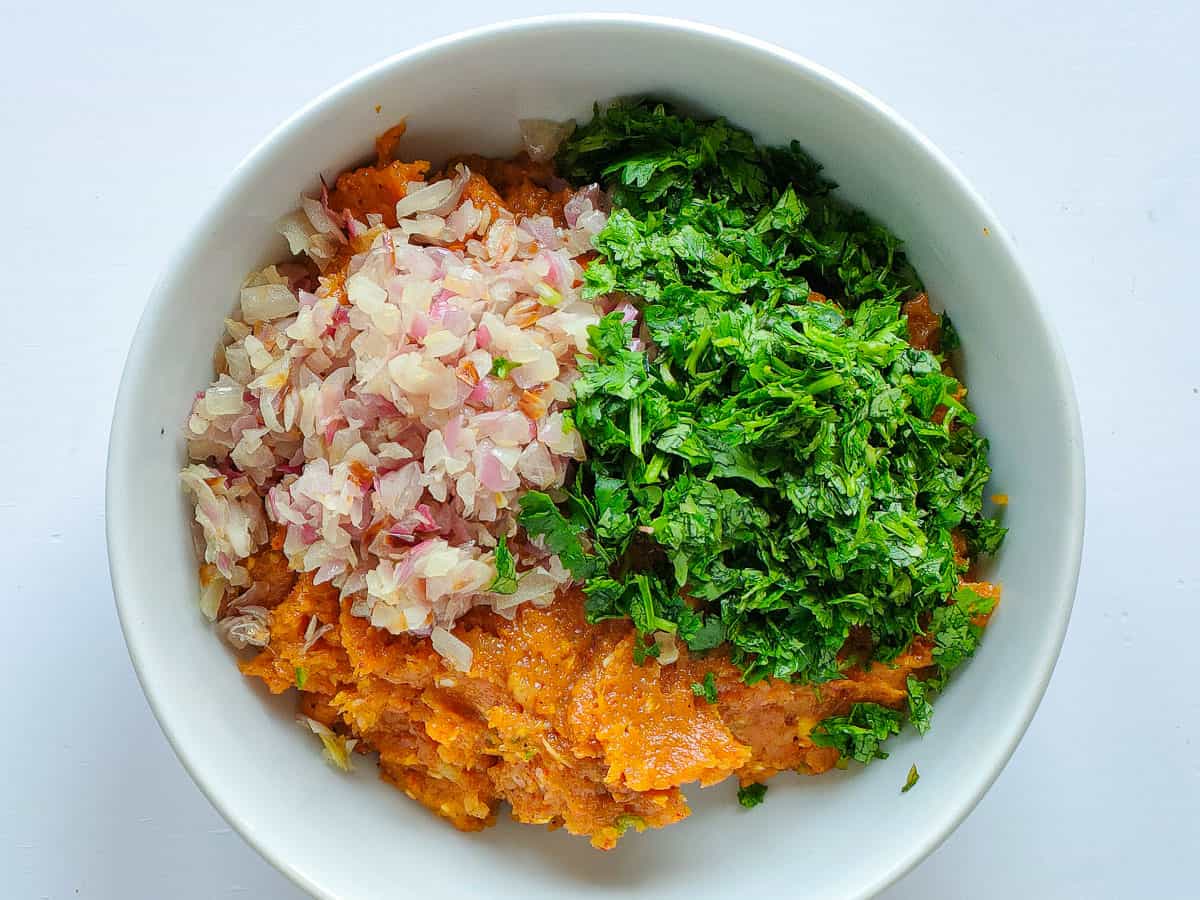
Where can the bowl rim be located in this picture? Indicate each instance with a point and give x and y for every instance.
(135, 367)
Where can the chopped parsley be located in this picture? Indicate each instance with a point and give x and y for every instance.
(913, 777)
(541, 517)
(301, 677)
(859, 735)
(625, 821)
(955, 636)
(707, 688)
(777, 460)
(501, 366)
(955, 633)
(783, 467)
(920, 710)
(505, 581)
(751, 795)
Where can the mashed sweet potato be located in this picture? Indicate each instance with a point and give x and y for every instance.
(518, 186)
(554, 716)
(527, 188)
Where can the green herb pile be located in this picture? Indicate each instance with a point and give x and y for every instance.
(860, 734)
(768, 471)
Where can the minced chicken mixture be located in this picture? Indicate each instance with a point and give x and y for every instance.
(383, 401)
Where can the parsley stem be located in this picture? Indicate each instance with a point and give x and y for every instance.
(654, 469)
(668, 379)
(635, 427)
(643, 584)
(832, 380)
(654, 622)
(698, 349)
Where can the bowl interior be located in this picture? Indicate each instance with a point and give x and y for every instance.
(836, 835)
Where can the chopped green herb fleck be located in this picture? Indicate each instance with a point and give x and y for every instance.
(541, 518)
(626, 821)
(751, 795)
(859, 735)
(913, 777)
(950, 338)
(301, 677)
(956, 637)
(955, 634)
(501, 366)
(920, 710)
(707, 688)
(777, 458)
(505, 581)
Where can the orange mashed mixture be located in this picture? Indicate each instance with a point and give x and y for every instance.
(519, 186)
(554, 717)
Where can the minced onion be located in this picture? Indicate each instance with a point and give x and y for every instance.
(370, 424)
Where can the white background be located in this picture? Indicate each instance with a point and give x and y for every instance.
(1076, 120)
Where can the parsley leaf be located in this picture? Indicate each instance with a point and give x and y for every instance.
(984, 536)
(955, 633)
(505, 581)
(541, 518)
(706, 636)
(784, 459)
(920, 710)
(751, 795)
(706, 689)
(950, 339)
(501, 366)
(859, 735)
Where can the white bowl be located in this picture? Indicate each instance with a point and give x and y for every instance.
(840, 835)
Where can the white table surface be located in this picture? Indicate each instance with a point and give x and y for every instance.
(1076, 120)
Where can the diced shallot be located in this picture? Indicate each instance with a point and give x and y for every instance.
(456, 653)
(382, 422)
